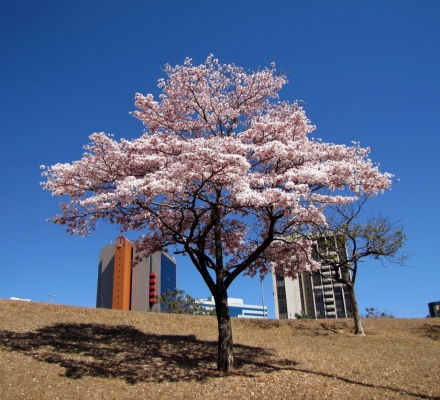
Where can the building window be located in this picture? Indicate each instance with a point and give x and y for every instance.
(340, 309)
(345, 273)
(317, 280)
(301, 292)
(319, 303)
(348, 305)
(281, 297)
(168, 274)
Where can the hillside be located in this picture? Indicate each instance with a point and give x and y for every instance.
(60, 352)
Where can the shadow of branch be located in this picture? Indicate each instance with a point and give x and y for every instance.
(400, 391)
(127, 353)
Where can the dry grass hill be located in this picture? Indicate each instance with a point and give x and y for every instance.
(59, 352)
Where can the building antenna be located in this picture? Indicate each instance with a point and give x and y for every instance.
(51, 297)
(262, 294)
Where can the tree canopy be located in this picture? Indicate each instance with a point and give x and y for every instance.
(178, 302)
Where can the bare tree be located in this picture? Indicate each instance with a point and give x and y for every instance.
(351, 237)
(372, 312)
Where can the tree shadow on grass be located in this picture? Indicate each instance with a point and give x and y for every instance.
(430, 331)
(127, 353)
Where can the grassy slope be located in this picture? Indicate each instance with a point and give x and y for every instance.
(51, 351)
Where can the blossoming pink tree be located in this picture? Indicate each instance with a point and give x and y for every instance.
(224, 173)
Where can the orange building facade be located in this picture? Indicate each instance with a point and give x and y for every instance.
(122, 274)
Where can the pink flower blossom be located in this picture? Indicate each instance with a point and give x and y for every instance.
(225, 172)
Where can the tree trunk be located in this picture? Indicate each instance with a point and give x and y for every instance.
(358, 330)
(225, 360)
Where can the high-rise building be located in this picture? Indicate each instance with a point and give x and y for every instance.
(122, 286)
(317, 295)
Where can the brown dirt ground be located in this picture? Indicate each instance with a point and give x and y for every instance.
(60, 352)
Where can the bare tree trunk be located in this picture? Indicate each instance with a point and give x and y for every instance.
(358, 330)
(225, 360)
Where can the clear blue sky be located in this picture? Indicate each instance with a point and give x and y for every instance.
(368, 71)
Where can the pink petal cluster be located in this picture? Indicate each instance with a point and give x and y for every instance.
(224, 171)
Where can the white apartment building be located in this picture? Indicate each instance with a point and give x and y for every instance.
(316, 295)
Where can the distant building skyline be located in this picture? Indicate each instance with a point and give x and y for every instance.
(236, 307)
(17, 298)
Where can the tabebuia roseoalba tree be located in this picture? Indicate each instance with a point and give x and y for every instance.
(223, 173)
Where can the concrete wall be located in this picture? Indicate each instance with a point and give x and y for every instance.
(293, 297)
(140, 285)
(104, 292)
